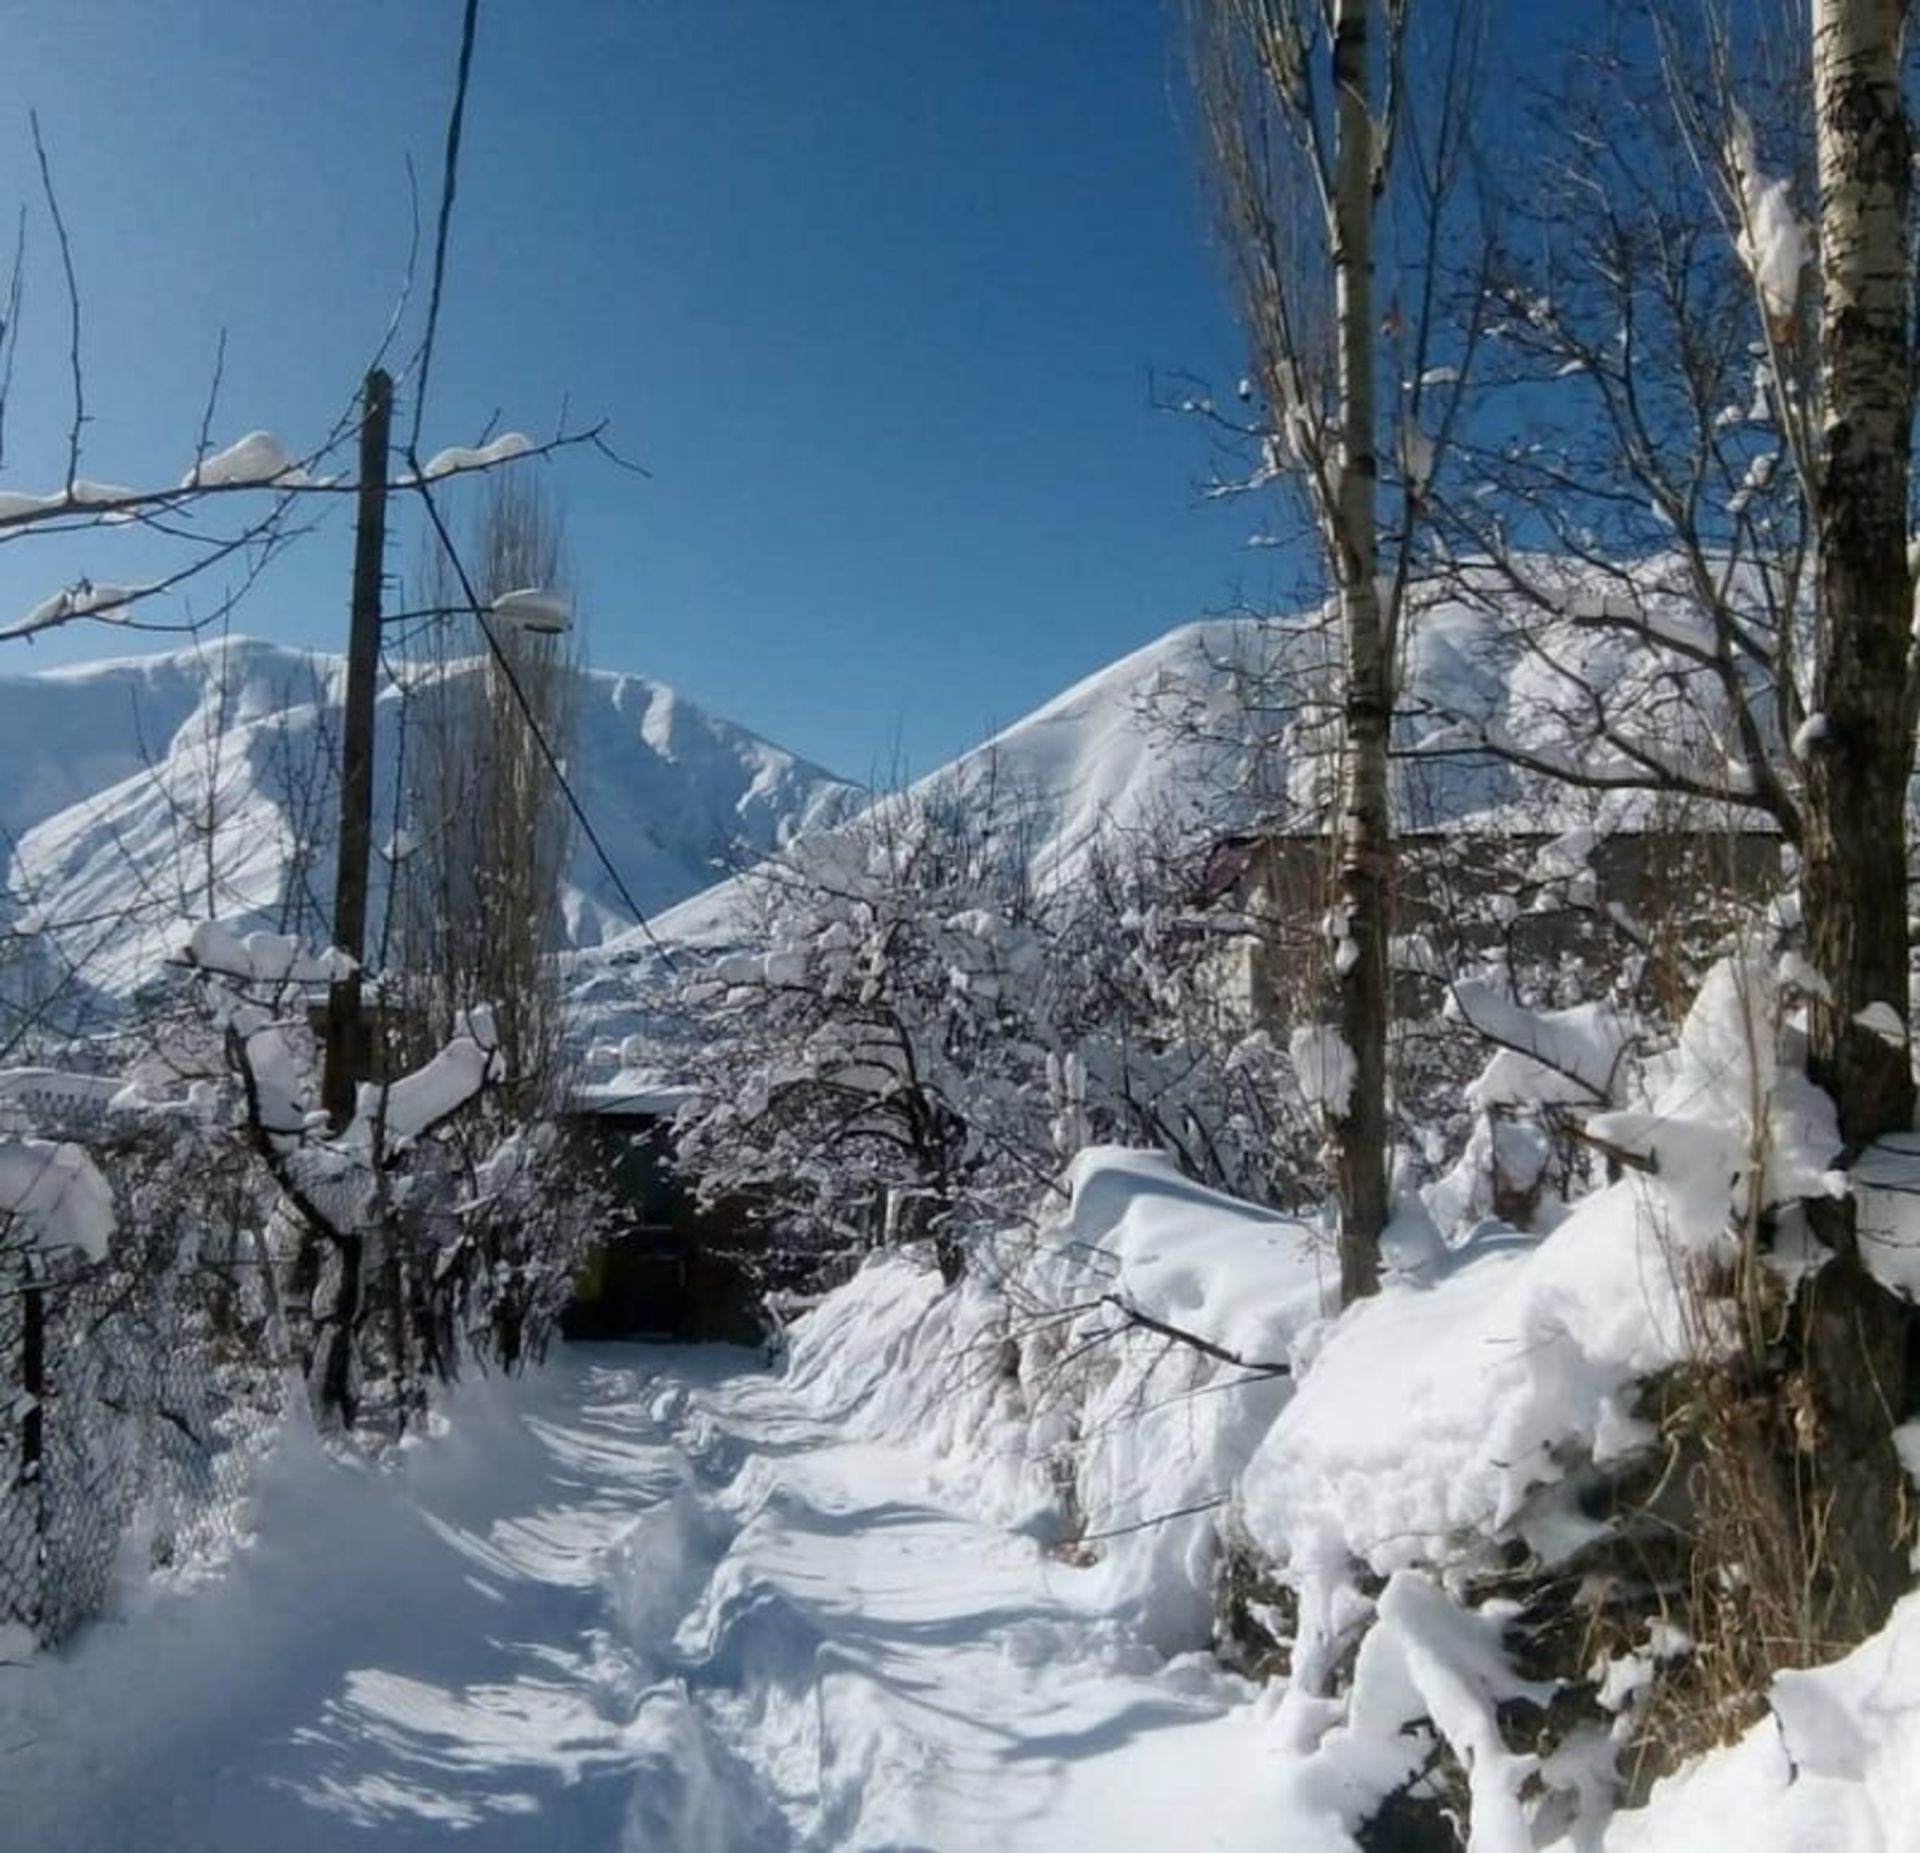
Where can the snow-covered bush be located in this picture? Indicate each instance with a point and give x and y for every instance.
(914, 1039)
(1472, 1524)
(426, 1230)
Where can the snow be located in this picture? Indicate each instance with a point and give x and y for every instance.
(1773, 242)
(1109, 755)
(263, 958)
(634, 1091)
(1228, 1271)
(944, 1580)
(1439, 1416)
(57, 1194)
(258, 458)
(108, 604)
(55, 1093)
(1836, 1765)
(1885, 1022)
(100, 762)
(647, 1600)
(1010, 1395)
(1424, 1663)
(536, 610)
(458, 457)
(231, 732)
(388, 1116)
(1809, 734)
(16, 505)
(1324, 1066)
(1737, 1092)
(1569, 1056)
(1886, 1189)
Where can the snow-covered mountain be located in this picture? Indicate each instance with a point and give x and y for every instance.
(1188, 732)
(143, 791)
(1106, 751)
(200, 782)
(1195, 731)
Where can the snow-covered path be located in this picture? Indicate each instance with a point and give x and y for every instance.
(644, 1600)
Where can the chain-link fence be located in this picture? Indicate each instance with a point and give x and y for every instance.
(139, 1392)
(136, 1397)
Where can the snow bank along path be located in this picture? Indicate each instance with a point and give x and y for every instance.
(641, 1600)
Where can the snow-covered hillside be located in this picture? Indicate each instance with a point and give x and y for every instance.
(1108, 753)
(182, 784)
(137, 792)
(1191, 732)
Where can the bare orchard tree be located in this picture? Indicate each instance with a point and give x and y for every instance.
(1697, 509)
(868, 1067)
(1329, 164)
(1630, 507)
(468, 1248)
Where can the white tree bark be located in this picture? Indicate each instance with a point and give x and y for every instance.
(1366, 842)
(1851, 1335)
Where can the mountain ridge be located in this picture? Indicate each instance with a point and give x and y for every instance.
(141, 790)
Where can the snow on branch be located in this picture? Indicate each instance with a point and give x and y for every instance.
(254, 461)
(457, 459)
(258, 463)
(1773, 242)
(1561, 1057)
(110, 604)
(396, 1113)
(57, 1194)
(263, 958)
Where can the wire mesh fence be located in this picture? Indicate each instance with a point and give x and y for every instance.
(139, 1392)
(135, 1402)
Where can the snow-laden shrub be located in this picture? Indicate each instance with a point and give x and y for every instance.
(1462, 1511)
(429, 1228)
(913, 1040)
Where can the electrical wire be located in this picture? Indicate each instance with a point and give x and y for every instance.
(418, 483)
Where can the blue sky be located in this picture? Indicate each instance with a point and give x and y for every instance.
(873, 289)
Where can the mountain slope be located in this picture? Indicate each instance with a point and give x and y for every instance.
(200, 782)
(1222, 721)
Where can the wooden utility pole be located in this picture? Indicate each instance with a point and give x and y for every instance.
(347, 1037)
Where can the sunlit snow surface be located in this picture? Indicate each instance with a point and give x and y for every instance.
(645, 1600)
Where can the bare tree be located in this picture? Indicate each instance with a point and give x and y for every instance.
(482, 860)
(1315, 143)
(1692, 528)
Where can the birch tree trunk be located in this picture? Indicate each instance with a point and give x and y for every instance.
(1302, 166)
(1856, 874)
(1366, 845)
(1852, 1334)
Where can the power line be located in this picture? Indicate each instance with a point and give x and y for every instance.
(532, 719)
(443, 223)
(442, 229)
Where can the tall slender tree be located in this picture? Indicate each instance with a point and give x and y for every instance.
(1866, 677)
(1309, 123)
(478, 907)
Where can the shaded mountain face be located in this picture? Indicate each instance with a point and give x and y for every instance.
(202, 783)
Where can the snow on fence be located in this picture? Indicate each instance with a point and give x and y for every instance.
(136, 1397)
